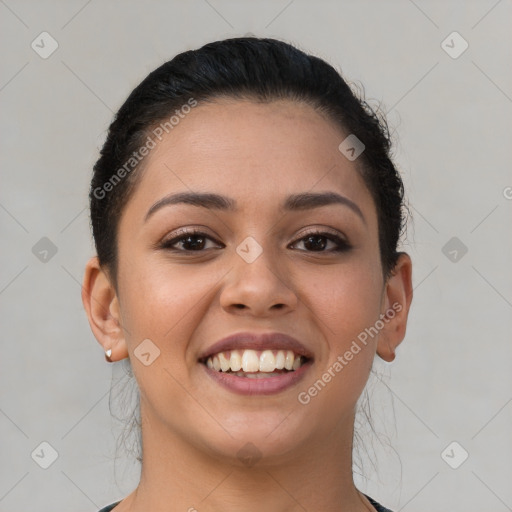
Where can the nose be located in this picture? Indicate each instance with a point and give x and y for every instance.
(261, 288)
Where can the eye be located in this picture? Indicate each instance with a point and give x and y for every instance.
(190, 240)
(319, 241)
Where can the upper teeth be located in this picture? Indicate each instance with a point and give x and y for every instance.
(250, 361)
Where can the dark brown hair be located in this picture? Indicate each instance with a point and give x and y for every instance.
(247, 67)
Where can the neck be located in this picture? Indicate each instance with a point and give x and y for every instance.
(177, 476)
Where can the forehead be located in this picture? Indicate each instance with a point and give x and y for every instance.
(254, 152)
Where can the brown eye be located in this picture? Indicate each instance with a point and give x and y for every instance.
(319, 241)
(193, 241)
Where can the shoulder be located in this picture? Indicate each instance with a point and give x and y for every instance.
(108, 508)
(378, 507)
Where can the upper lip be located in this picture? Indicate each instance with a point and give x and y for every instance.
(257, 341)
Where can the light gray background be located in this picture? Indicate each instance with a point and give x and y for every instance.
(452, 120)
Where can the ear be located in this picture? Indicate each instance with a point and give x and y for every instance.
(102, 307)
(396, 304)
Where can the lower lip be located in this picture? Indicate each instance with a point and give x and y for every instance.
(262, 386)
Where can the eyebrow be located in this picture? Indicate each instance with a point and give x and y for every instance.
(295, 202)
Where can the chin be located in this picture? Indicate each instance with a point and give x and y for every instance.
(262, 437)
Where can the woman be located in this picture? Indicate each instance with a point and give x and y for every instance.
(246, 216)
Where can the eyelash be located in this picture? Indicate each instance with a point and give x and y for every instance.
(342, 245)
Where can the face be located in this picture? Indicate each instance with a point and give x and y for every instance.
(275, 254)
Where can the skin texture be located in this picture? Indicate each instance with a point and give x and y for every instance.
(257, 154)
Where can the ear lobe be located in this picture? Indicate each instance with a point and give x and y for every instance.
(102, 307)
(396, 304)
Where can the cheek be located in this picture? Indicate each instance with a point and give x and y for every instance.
(346, 300)
(161, 302)
(340, 377)
(346, 303)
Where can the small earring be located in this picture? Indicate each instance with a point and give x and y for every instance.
(108, 353)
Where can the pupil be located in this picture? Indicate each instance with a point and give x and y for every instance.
(318, 245)
(195, 242)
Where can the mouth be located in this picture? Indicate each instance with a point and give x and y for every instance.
(255, 364)
(260, 364)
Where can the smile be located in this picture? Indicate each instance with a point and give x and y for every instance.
(253, 372)
(256, 364)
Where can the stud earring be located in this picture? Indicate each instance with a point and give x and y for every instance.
(108, 353)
